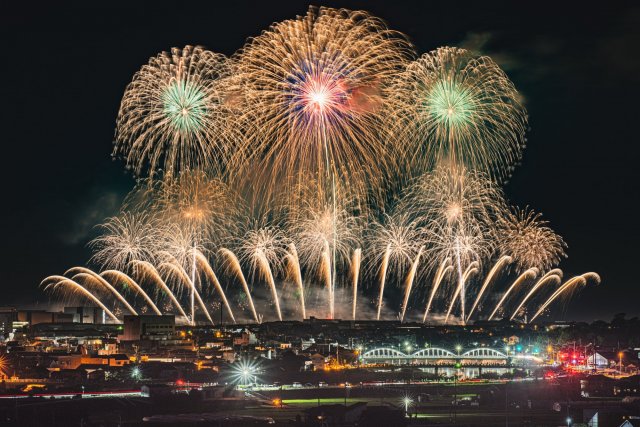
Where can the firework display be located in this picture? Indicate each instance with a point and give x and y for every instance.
(126, 238)
(174, 115)
(527, 238)
(450, 105)
(314, 88)
(321, 171)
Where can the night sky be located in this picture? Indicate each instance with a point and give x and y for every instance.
(64, 71)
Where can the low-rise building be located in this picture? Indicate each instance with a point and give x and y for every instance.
(148, 327)
(86, 314)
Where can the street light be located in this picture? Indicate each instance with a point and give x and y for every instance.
(457, 366)
(407, 402)
(620, 355)
(135, 373)
(245, 375)
(245, 370)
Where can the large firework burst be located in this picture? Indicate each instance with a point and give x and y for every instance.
(314, 86)
(527, 238)
(203, 205)
(454, 106)
(173, 114)
(454, 198)
(127, 237)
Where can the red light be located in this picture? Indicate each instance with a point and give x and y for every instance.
(179, 382)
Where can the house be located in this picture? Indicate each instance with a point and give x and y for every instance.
(598, 361)
(245, 339)
(149, 327)
(319, 361)
(631, 422)
(513, 340)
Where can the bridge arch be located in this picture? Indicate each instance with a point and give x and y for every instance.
(483, 353)
(433, 353)
(384, 352)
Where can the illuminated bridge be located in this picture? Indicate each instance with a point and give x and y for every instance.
(478, 357)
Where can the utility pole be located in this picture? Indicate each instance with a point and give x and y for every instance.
(455, 397)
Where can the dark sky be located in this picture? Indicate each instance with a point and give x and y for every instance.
(64, 70)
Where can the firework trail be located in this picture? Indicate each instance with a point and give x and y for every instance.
(264, 266)
(208, 271)
(262, 248)
(442, 271)
(473, 268)
(592, 275)
(81, 272)
(314, 86)
(528, 239)
(174, 268)
(395, 246)
(150, 271)
(554, 275)
(61, 281)
(463, 247)
(409, 283)
(324, 237)
(294, 269)
(234, 264)
(573, 282)
(328, 277)
(383, 275)
(504, 260)
(457, 107)
(355, 273)
(181, 246)
(530, 273)
(132, 283)
(173, 116)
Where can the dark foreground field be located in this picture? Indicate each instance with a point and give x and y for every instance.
(529, 403)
